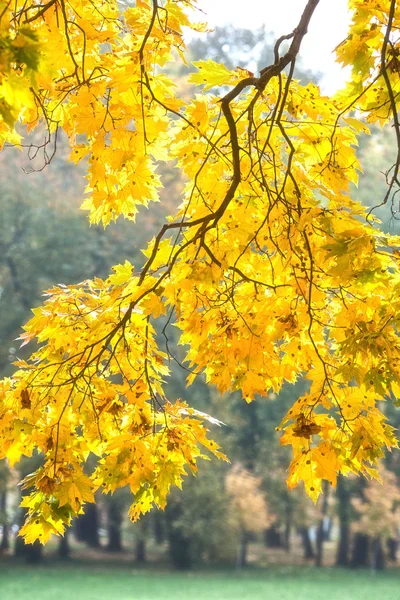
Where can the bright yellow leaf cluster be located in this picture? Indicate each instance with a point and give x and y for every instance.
(269, 269)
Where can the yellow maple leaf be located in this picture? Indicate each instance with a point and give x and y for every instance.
(211, 74)
(75, 490)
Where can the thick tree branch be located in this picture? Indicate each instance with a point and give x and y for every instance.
(259, 83)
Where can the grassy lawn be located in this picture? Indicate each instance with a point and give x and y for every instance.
(84, 582)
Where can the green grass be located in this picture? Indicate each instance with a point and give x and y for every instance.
(83, 582)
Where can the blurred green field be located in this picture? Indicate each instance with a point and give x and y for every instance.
(82, 582)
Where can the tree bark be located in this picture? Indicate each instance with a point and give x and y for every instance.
(179, 543)
(32, 553)
(343, 499)
(377, 555)
(288, 524)
(114, 524)
(140, 550)
(5, 540)
(393, 546)
(86, 526)
(308, 550)
(328, 529)
(158, 528)
(360, 551)
(320, 530)
(64, 550)
(272, 537)
(241, 557)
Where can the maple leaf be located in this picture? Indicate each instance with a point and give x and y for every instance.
(75, 490)
(211, 74)
(121, 274)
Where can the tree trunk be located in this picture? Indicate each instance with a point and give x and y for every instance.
(158, 527)
(141, 534)
(272, 538)
(343, 500)
(320, 530)
(5, 541)
(32, 553)
(179, 543)
(114, 524)
(140, 550)
(360, 551)
(328, 529)
(179, 549)
(87, 526)
(377, 555)
(392, 545)
(241, 557)
(63, 546)
(307, 544)
(288, 525)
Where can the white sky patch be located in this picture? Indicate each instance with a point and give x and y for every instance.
(328, 28)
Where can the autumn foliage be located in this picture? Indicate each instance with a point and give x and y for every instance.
(269, 270)
(378, 511)
(249, 511)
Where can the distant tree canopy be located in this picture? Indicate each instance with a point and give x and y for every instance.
(269, 269)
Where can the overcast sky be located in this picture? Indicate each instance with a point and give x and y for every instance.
(327, 29)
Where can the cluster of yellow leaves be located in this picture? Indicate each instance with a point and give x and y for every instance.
(373, 55)
(272, 272)
(89, 68)
(73, 405)
(20, 64)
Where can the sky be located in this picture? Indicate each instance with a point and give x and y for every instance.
(327, 29)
